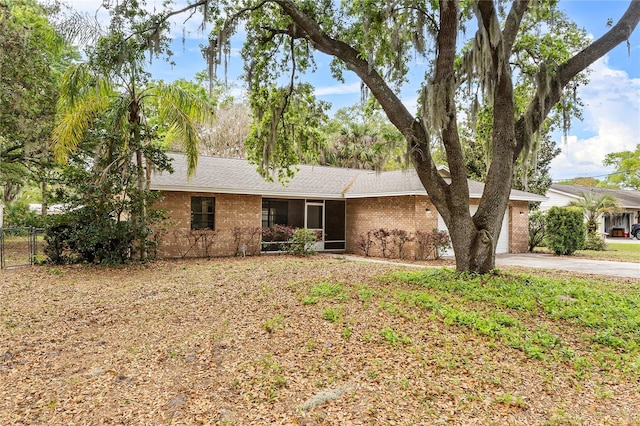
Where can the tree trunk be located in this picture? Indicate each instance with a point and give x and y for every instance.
(140, 218)
(45, 204)
(473, 238)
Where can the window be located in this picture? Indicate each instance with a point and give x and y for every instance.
(202, 212)
(274, 212)
(282, 212)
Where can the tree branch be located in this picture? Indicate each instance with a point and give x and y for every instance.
(444, 77)
(512, 25)
(396, 111)
(549, 94)
(399, 115)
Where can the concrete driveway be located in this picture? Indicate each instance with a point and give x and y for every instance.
(536, 260)
(570, 263)
(623, 240)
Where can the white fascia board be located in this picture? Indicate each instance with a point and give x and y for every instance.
(306, 195)
(424, 193)
(526, 198)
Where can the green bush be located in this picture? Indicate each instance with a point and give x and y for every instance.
(302, 242)
(18, 215)
(595, 242)
(537, 229)
(80, 236)
(565, 230)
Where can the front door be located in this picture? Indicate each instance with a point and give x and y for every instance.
(314, 220)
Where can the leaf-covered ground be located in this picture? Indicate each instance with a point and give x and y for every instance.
(317, 341)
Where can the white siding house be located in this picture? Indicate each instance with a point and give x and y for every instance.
(615, 225)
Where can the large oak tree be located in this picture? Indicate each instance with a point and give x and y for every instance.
(377, 40)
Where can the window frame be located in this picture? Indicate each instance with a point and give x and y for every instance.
(201, 219)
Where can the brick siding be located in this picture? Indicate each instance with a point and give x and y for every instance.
(518, 227)
(231, 211)
(408, 213)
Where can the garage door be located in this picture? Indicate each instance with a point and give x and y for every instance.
(503, 241)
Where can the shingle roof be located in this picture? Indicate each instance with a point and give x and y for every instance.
(226, 175)
(627, 198)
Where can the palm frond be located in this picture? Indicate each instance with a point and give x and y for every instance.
(183, 113)
(82, 99)
(116, 116)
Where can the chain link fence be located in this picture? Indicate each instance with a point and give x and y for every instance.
(20, 246)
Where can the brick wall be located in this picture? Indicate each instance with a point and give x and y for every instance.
(231, 211)
(408, 213)
(518, 226)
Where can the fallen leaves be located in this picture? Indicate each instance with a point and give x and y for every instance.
(231, 341)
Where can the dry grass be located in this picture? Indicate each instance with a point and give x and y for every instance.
(254, 340)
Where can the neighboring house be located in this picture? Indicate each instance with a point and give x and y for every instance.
(228, 195)
(615, 225)
(52, 209)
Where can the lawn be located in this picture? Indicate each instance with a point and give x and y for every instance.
(620, 252)
(316, 341)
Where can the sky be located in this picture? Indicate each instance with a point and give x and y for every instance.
(611, 114)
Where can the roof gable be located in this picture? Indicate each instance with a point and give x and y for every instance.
(627, 198)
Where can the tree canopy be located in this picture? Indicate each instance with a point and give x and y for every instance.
(32, 57)
(627, 168)
(463, 46)
(360, 138)
(112, 118)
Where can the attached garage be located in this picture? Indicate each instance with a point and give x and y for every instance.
(503, 240)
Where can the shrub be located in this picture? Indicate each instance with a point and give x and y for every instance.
(302, 242)
(537, 229)
(273, 237)
(400, 238)
(365, 242)
(432, 245)
(565, 230)
(204, 240)
(72, 237)
(595, 242)
(18, 215)
(382, 235)
(391, 242)
(60, 243)
(246, 239)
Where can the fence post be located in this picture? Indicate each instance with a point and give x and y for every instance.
(32, 246)
(1, 248)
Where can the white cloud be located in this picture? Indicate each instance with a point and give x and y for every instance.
(340, 89)
(611, 123)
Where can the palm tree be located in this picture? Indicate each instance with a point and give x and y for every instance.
(595, 205)
(115, 108)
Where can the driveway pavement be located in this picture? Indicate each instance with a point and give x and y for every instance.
(570, 263)
(623, 240)
(540, 261)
